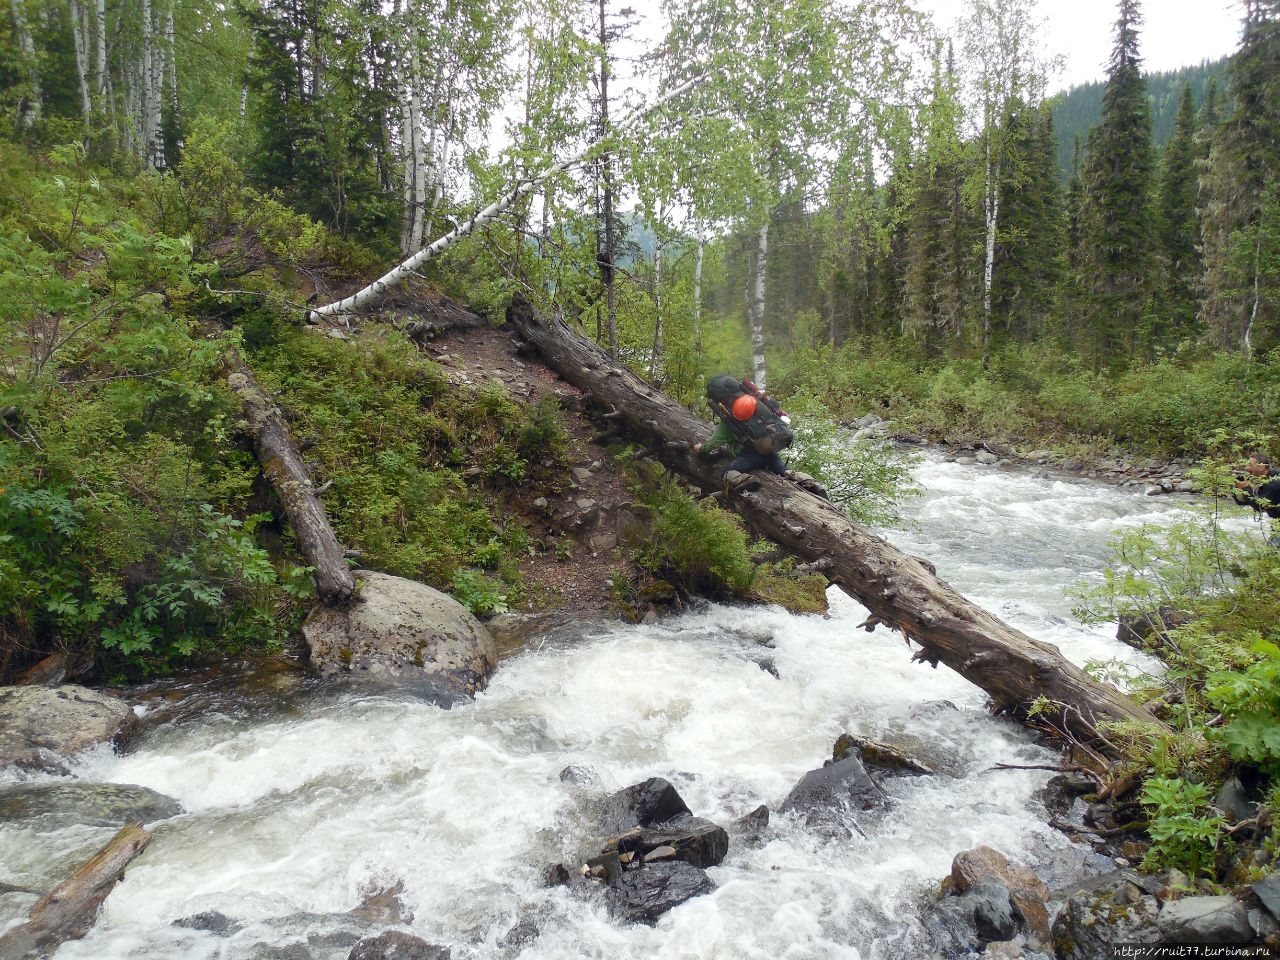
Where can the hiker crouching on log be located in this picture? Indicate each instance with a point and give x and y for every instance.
(755, 429)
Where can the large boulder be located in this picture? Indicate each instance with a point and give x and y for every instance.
(641, 896)
(832, 786)
(403, 634)
(1109, 909)
(41, 727)
(1205, 920)
(56, 806)
(1027, 892)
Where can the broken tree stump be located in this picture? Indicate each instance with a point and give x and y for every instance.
(1014, 669)
(69, 910)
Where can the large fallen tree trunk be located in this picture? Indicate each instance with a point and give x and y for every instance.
(1014, 669)
(68, 911)
(282, 464)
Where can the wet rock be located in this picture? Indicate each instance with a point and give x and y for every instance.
(383, 905)
(1268, 891)
(845, 781)
(57, 668)
(692, 839)
(397, 945)
(963, 924)
(1237, 800)
(581, 776)
(1028, 893)
(751, 826)
(405, 635)
(210, 921)
(1059, 795)
(54, 806)
(879, 755)
(650, 803)
(41, 727)
(642, 896)
(1112, 908)
(1205, 920)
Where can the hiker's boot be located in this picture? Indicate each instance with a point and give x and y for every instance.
(735, 481)
(806, 482)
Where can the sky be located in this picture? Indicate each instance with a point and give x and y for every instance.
(1175, 33)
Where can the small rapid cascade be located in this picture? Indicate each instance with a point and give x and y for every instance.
(300, 803)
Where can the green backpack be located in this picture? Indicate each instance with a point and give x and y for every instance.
(764, 432)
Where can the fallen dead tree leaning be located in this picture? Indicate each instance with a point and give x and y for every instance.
(1014, 669)
(69, 910)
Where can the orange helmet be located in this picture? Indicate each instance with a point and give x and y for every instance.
(744, 407)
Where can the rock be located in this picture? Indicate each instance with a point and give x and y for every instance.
(964, 924)
(1028, 892)
(833, 784)
(1060, 793)
(1268, 891)
(1111, 908)
(867, 420)
(641, 896)
(751, 826)
(986, 458)
(650, 803)
(878, 755)
(1236, 801)
(210, 921)
(580, 776)
(580, 474)
(1205, 920)
(692, 839)
(404, 634)
(41, 727)
(1185, 486)
(55, 806)
(396, 945)
(383, 905)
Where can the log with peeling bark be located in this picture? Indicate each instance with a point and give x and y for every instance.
(1014, 669)
(69, 910)
(278, 455)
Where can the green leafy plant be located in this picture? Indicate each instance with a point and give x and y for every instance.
(1182, 834)
(478, 592)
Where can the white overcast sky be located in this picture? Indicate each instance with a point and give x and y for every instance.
(1175, 33)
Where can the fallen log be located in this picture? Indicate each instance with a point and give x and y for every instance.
(282, 464)
(68, 911)
(1015, 670)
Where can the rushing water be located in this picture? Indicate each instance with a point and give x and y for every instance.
(296, 811)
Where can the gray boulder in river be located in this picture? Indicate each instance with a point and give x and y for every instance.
(403, 634)
(41, 727)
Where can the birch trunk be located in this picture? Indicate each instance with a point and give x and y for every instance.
(415, 161)
(758, 303)
(100, 53)
(32, 103)
(991, 212)
(1257, 294)
(655, 356)
(522, 189)
(171, 60)
(80, 44)
(697, 297)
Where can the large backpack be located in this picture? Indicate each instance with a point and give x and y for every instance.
(764, 432)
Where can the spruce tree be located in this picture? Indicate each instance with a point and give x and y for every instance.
(1241, 310)
(1116, 228)
(1179, 229)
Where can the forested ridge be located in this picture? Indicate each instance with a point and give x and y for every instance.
(861, 213)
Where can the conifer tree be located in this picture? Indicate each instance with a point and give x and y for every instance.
(1117, 211)
(1240, 308)
(1179, 229)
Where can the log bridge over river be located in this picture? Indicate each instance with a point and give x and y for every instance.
(1022, 675)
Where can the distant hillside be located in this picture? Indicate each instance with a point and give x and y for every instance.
(1076, 111)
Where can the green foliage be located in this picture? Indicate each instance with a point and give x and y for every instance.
(868, 477)
(1184, 834)
(1250, 701)
(479, 593)
(694, 544)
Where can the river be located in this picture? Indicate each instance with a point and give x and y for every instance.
(298, 806)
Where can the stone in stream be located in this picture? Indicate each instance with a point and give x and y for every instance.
(42, 727)
(405, 635)
(832, 786)
(397, 945)
(1112, 908)
(55, 806)
(641, 896)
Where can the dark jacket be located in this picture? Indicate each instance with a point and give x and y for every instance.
(1264, 498)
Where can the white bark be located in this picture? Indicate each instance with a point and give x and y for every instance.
(991, 213)
(523, 189)
(655, 357)
(1257, 294)
(80, 43)
(415, 162)
(171, 60)
(697, 296)
(26, 45)
(150, 113)
(100, 54)
(758, 303)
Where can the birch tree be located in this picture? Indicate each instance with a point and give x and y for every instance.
(1001, 53)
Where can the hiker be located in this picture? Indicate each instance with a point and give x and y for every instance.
(755, 429)
(1258, 486)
